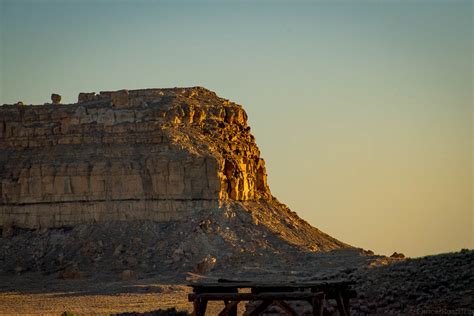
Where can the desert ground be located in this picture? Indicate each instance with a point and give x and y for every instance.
(34, 294)
(434, 285)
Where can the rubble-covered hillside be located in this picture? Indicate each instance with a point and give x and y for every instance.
(240, 235)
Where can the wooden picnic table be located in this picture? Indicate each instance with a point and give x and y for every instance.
(271, 293)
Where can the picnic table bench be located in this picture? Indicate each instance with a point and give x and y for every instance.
(268, 293)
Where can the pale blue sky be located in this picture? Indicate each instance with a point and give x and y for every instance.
(362, 109)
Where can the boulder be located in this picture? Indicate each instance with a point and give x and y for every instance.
(206, 264)
(55, 98)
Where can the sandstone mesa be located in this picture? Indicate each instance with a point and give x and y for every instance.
(139, 154)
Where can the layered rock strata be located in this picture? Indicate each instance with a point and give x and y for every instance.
(141, 154)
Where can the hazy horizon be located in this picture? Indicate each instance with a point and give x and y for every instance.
(363, 112)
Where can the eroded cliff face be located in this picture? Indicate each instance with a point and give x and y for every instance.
(140, 154)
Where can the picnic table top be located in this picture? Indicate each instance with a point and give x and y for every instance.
(273, 284)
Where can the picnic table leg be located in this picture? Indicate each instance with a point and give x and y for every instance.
(233, 305)
(196, 307)
(345, 301)
(317, 304)
(230, 308)
(200, 307)
(233, 310)
(340, 305)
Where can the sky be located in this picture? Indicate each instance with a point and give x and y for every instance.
(362, 109)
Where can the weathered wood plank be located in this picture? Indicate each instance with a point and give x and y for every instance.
(248, 284)
(294, 296)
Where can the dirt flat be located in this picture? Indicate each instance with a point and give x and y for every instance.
(43, 296)
(56, 303)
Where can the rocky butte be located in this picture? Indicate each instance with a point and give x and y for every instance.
(150, 154)
(140, 154)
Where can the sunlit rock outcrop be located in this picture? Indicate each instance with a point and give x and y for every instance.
(130, 154)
